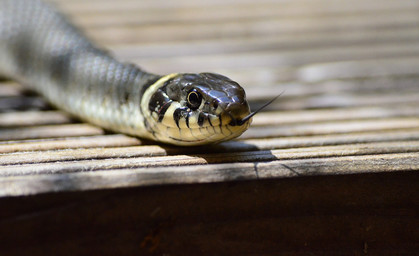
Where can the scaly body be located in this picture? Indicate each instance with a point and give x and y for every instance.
(41, 49)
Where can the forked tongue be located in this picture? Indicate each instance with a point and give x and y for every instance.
(246, 118)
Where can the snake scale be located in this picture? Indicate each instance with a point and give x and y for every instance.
(41, 49)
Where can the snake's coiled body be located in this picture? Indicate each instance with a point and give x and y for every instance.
(41, 49)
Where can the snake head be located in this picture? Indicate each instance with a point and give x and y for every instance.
(196, 109)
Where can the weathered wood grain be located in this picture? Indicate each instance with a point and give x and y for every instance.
(270, 42)
(253, 28)
(49, 131)
(31, 118)
(87, 178)
(290, 58)
(67, 143)
(135, 157)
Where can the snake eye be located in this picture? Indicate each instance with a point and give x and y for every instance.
(194, 99)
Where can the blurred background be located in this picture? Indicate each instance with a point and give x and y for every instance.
(321, 53)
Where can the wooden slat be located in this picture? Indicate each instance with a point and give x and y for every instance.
(243, 145)
(49, 131)
(270, 42)
(111, 158)
(236, 11)
(30, 118)
(231, 29)
(332, 128)
(204, 173)
(67, 143)
(294, 58)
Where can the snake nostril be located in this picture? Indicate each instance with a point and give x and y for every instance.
(214, 104)
(237, 111)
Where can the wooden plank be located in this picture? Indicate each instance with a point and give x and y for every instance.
(335, 100)
(280, 7)
(30, 118)
(67, 143)
(359, 69)
(270, 42)
(49, 131)
(290, 58)
(331, 128)
(236, 11)
(8, 88)
(338, 114)
(119, 140)
(249, 28)
(134, 157)
(128, 176)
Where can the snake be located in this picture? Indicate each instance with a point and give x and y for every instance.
(41, 49)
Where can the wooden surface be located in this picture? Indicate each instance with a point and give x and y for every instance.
(349, 73)
(336, 156)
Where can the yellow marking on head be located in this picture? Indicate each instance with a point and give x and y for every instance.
(168, 119)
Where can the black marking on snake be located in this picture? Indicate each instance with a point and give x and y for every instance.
(163, 109)
(177, 115)
(209, 121)
(146, 82)
(160, 102)
(125, 97)
(187, 119)
(221, 125)
(157, 100)
(180, 113)
(201, 119)
(212, 126)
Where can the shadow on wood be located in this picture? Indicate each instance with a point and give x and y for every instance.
(347, 214)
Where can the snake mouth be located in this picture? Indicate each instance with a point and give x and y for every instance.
(239, 122)
(242, 121)
(214, 135)
(220, 130)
